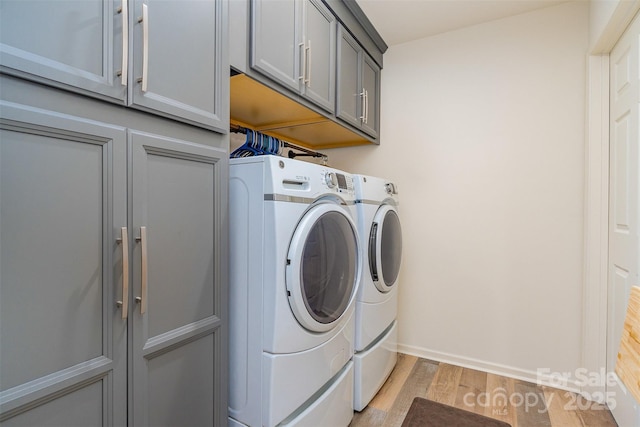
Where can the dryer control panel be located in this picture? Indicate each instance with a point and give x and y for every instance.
(338, 180)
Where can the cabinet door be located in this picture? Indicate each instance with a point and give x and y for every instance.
(179, 194)
(276, 42)
(72, 44)
(62, 336)
(320, 53)
(371, 85)
(180, 62)
(349, 103)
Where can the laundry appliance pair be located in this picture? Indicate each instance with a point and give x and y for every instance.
(314, 256)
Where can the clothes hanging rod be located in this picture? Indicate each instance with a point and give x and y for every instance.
(291, 155)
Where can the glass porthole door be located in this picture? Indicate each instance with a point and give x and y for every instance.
(322, 267)
(385, 248)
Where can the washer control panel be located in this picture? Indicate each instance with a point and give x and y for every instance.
(331, 179)
(340, 182)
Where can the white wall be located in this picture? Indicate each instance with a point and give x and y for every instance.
(483, 130)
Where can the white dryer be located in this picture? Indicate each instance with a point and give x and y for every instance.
(294, 274)
(377, 300)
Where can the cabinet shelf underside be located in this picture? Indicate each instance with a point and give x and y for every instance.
(258, 107)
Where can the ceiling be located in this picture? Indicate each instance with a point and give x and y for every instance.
(400, 21)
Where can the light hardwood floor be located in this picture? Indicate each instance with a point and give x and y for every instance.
(520, 403)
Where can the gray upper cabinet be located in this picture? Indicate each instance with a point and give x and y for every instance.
(71, 44)
(350, 94)
(275, 35)
(166, 57)
(319, 83)
(179, 60)
(371, 87)
(358, 100)
(293, 43)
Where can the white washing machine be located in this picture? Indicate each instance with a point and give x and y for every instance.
(294, 274)
(377, 300)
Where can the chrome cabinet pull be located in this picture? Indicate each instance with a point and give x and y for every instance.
(307, 67)
(124, 241)
(142, 300)
(303, 62)
(145, 47)
(366, 106)
(362, 104)
(124, 72)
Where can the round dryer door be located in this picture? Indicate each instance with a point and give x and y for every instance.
(322, 267)
(385, 248)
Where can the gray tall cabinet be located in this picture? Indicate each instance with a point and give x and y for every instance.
(113, 212)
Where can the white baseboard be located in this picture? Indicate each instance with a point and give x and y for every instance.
(490, 367)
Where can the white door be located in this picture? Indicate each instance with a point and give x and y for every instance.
(624, 207)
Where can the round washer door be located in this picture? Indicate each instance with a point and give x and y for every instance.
(322, 267)
(385, 248)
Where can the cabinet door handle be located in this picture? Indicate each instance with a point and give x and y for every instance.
(362, 104)
(124, 11)
(143, 270)
(303, 62)
(124, 241)
(308, 65)
(366, 106)
(145, 46)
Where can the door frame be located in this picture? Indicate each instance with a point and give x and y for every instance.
(596, 203)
